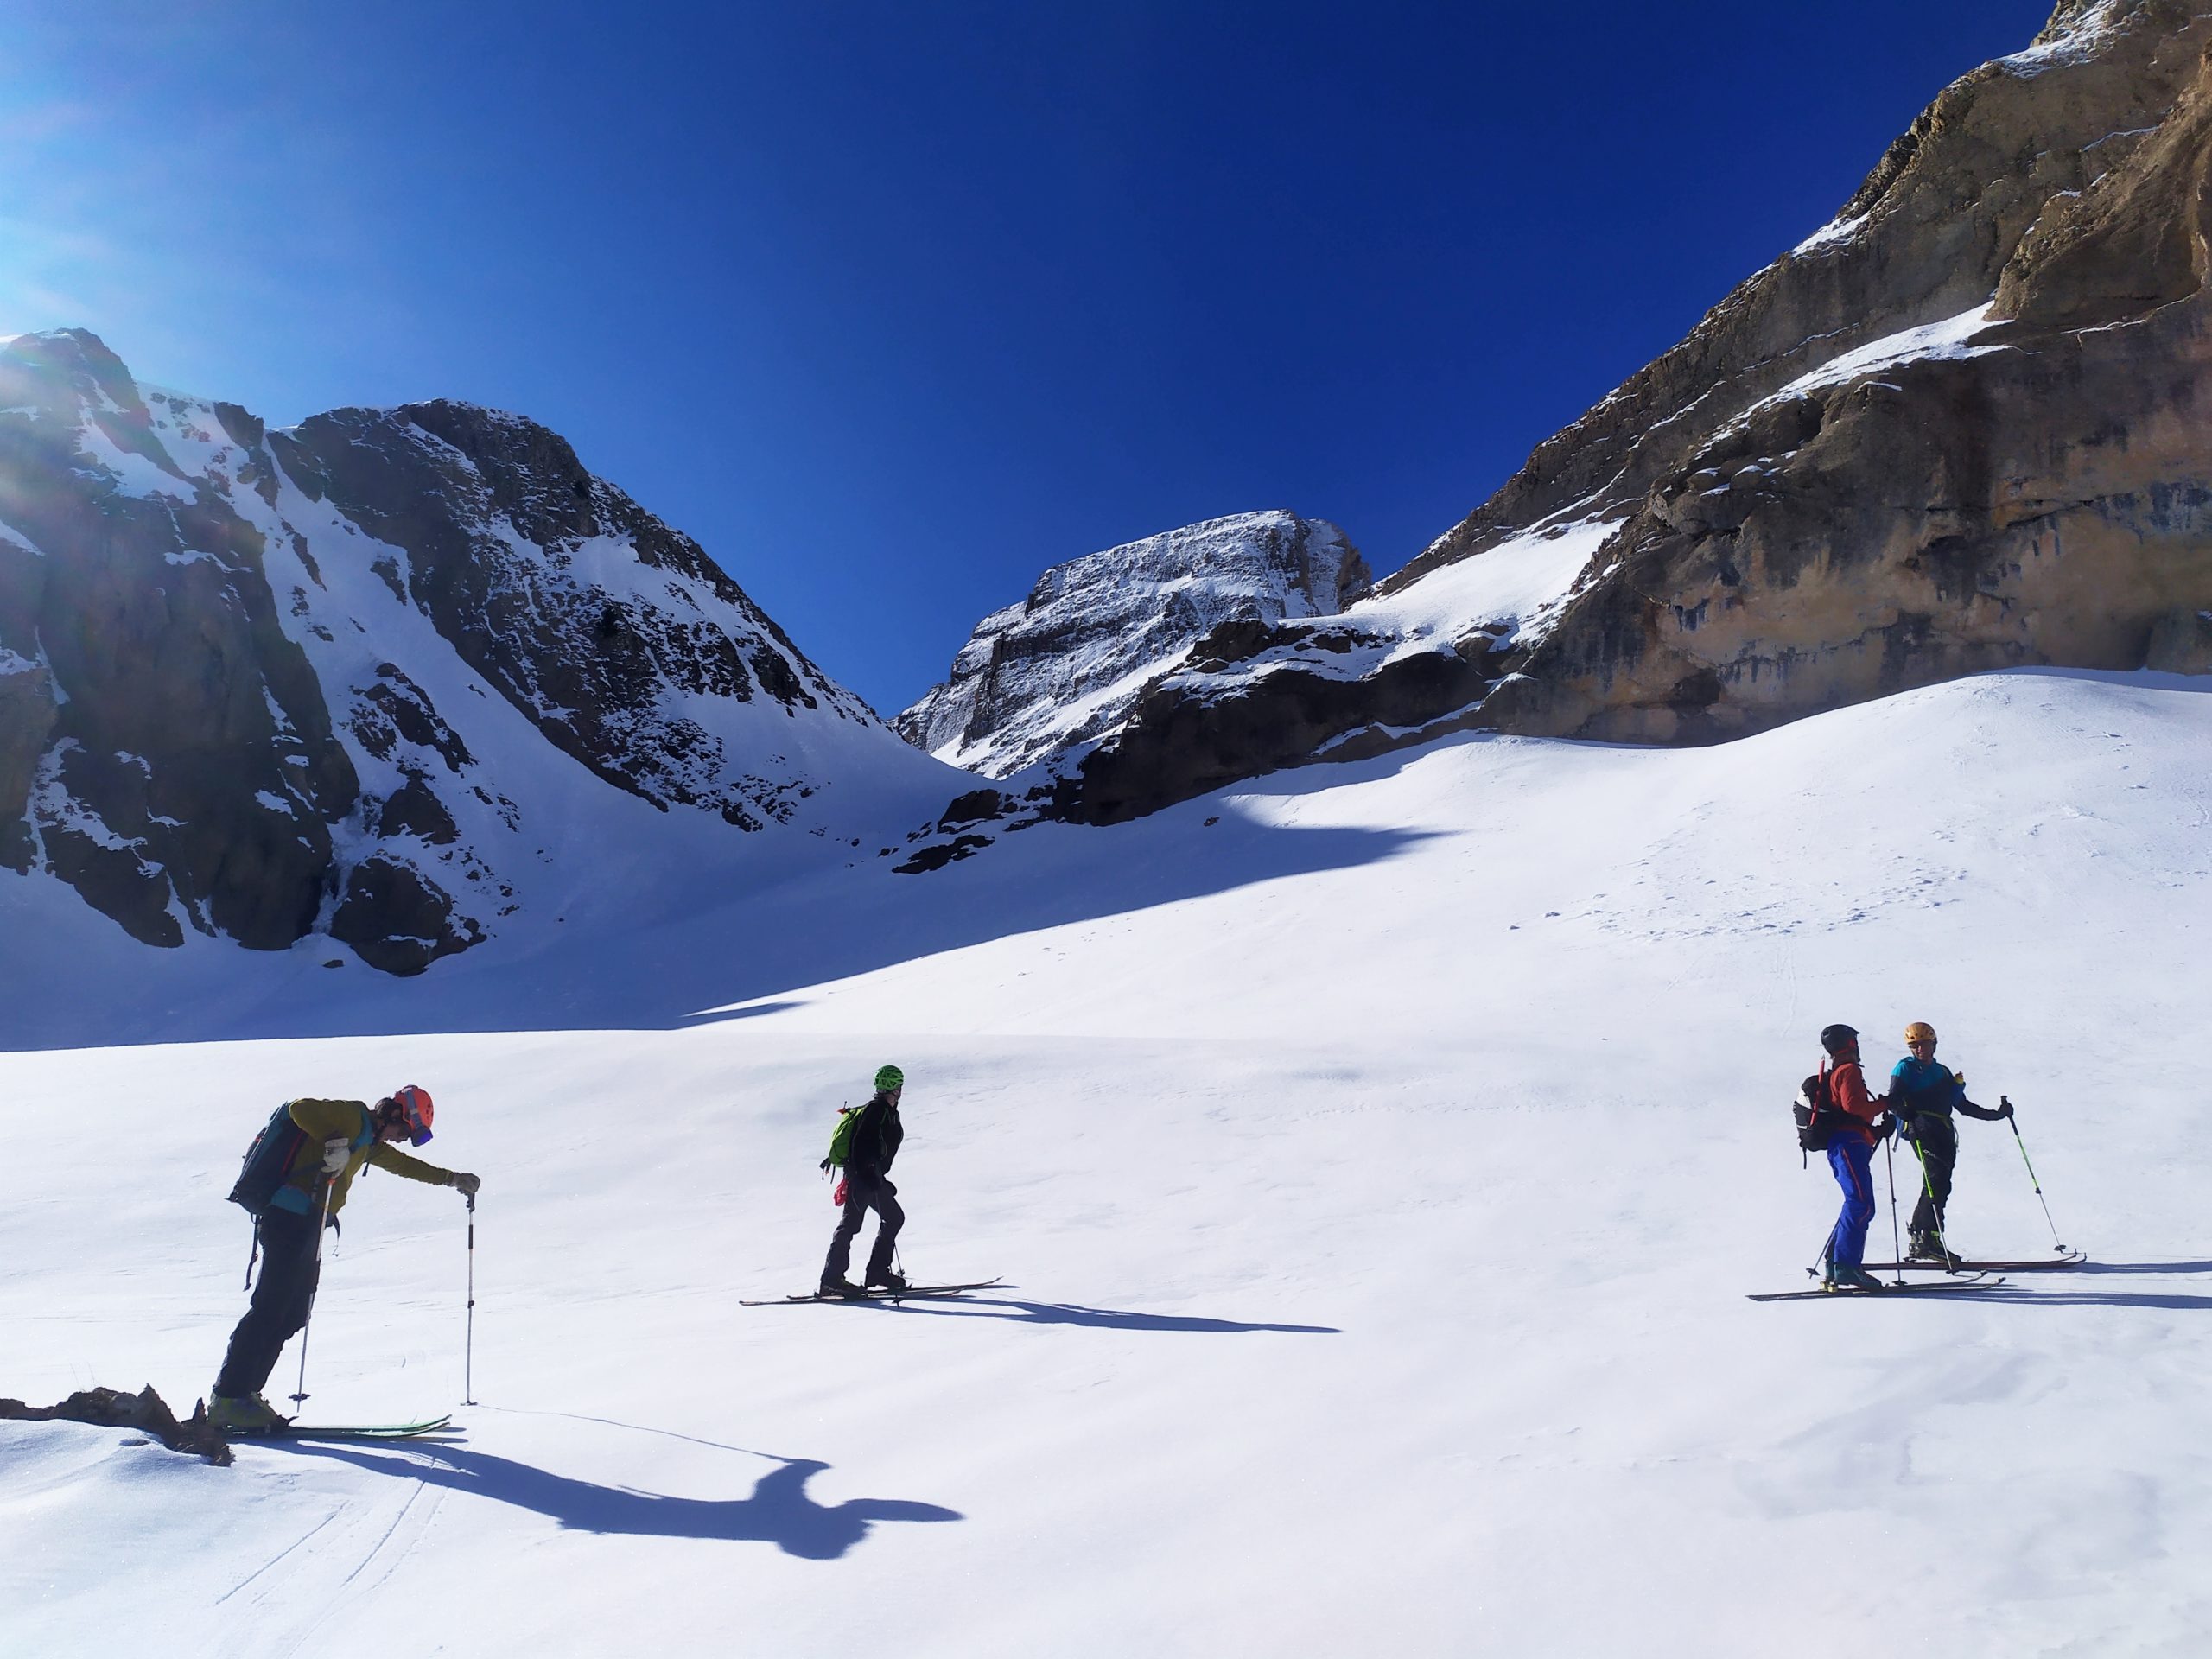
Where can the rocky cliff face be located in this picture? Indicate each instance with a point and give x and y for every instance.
(1959, 427)
(1063, 668)
(358, 677)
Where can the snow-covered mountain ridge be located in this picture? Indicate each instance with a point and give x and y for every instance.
(391, 677)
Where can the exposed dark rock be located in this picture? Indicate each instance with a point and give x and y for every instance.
(940, 854)
(974, 807)
(145, 1411)
(1175, 748)
(414, 809)
(398, 919)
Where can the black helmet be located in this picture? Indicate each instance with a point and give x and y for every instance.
(1836, 1038)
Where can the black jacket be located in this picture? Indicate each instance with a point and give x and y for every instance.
(876, 1137)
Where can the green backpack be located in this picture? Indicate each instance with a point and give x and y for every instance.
(841, 1138)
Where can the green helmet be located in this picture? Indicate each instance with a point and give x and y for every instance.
(888, 1077)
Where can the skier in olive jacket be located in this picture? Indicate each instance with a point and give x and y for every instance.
(876, 1136)
(1923, 1095)
(339, 1137)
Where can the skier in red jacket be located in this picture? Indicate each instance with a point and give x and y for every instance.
(1851, 1156)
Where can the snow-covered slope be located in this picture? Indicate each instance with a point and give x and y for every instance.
(1379, 1152)
(391, 679)
(1063, 668)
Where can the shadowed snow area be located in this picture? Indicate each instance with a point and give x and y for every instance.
(1378, 1171)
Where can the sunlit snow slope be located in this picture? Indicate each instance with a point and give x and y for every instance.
(1380, 1154)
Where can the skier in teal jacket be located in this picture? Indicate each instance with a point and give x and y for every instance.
(1922, 1095)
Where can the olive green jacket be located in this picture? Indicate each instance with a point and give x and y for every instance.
(319, 1120)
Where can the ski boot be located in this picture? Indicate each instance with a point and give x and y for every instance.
(888, 1280)
(250, 1414)
(840, 1290)
(1927, 1247)
(1851, 1278)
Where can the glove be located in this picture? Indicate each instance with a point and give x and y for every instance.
(1886, 1126)
(466, 1183)
(2004, 1107)
(336, 1151)
(837, 1194)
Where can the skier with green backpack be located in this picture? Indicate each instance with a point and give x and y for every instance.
(863, 1145)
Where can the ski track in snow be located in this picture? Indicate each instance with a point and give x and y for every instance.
(1378, 1170)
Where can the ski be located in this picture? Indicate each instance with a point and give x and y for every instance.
(346, 1431)
(1886, 1290)
(880, 1294)
(1959, 1264)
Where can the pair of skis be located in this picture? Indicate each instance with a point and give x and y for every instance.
(1960, 1275)
(347, 1431)
(880, 1293)
(1959, 1264)
(1837, 1292)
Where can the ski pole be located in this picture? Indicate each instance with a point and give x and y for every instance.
(1828, 1251)
(314, 1283)
(468, 1343)
(2038, 1184)
(1897, 1239)
(253, 1254)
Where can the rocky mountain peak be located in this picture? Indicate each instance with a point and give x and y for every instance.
(1064, 666)
(362, 677)
(1959, 427)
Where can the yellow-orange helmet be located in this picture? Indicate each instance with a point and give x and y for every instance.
(1919, 1032)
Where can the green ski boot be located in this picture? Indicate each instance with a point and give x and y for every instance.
(250, 1415)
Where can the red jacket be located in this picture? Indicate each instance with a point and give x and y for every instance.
(1846, 1085)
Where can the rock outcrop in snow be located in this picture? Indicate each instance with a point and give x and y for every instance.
(1961, 427)
(357, 677)
(1064, 667)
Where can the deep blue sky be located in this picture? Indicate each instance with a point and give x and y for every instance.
(893, 305)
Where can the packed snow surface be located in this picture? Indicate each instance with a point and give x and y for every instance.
(1379, 1154)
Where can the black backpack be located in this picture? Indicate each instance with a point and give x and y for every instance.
(1817, 1113)
(268, 1160)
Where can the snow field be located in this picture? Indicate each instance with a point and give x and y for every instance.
(1379, 1170)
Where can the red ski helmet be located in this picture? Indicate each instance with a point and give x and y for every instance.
(415, 1111)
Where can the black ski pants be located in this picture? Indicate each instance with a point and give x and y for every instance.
(1937, 1137)
(864, 1192)
(281, 1298)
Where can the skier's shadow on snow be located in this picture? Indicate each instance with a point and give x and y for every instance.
(1101, 1319)
(2140, 1267)
(779, 1511)
(2023, 1297)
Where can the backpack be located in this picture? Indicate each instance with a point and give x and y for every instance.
(1817, 1115)
(841, 1138)
(268, 1160)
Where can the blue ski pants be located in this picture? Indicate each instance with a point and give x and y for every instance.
(1853, 1161)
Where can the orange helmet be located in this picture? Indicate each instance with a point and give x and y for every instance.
(415, 1111)
(1919, 1032)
